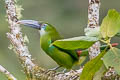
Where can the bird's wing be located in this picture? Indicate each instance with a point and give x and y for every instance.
(70, 45)
(75, 43)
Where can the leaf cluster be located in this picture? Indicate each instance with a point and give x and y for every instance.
(109, 56)
(109, 28)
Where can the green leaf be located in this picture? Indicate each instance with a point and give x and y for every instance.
(99, 74)
(112, 58)
(82, 42)
(92, 67)
(110, 24)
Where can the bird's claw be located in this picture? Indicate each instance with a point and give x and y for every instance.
(53, 69)
(64, 70)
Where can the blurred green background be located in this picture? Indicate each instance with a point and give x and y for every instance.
(68, 16)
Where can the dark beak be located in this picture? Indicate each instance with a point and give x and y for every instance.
(30, 23)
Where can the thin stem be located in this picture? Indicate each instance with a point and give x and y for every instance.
(113, 49)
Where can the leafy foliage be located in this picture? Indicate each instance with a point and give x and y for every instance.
(110, 24)
(82, 42)
(99, 74)
(110, 27)
(92, 67)
(112, 59)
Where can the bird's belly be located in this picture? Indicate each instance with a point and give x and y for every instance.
(61, 58)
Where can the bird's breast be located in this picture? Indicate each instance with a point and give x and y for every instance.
(42, 32)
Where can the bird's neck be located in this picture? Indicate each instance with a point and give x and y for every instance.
(47, 38)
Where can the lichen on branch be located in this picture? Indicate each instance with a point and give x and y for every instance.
(93, 21)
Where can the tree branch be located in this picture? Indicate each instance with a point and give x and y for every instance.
(16, 38)
(8, 74)
(93, 22)
(31, 70)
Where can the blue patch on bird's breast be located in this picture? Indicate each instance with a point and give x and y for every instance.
(49, 42)
(51, 48)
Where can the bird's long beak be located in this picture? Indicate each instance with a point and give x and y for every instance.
(30, 23)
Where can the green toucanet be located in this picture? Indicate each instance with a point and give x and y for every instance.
(48, 34)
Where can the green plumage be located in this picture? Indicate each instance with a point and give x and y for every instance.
(48, 35)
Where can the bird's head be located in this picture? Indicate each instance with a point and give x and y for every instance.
(37, 25)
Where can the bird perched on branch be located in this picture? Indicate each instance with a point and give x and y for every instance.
(64, 51)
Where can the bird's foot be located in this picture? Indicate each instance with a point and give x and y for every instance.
(64, 70)
(53, 69)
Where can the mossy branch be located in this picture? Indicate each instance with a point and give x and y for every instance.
(93, 22)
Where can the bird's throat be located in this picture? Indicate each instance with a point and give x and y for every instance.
(45, 41)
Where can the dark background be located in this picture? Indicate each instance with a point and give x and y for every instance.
(68, 16)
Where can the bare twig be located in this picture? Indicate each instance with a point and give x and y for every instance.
(8, 74)
(32, 70)
(93, 21)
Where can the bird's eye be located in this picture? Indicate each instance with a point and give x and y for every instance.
(44, 26)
